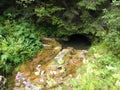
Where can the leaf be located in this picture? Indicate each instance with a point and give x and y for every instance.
(4, 56)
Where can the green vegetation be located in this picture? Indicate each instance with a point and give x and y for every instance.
(19, 42)
(102, 72)
(25, 22)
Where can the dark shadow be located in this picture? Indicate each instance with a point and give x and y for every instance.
(77, 41)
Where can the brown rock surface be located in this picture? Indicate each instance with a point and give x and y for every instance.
(47, 71)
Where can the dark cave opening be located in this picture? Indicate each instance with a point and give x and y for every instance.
(77, 41)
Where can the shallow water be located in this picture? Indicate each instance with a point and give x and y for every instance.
(54, 64)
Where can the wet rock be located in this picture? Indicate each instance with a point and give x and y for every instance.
(38, 67)
(3, 82)
(47, 46)
(42, 80)
(59, 57)
(42, 73)
(51, 67)
(83, 56)
(83, 53)
(57, 48)
(37, 73)
(48, 40)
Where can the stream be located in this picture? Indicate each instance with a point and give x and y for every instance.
(53, 66)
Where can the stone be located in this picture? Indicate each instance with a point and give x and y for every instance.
(3, 80)
(59, 57)
(47, 46)
(53, 72)
(37, 73)
(42, 72)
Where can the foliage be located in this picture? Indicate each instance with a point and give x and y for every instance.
(46, 12)
(90, 4)
(24, 2)
(74, 19)
(19, 41)
(112, 40)
(68, 17)
(100, 19)
(112, 16)
(100, 73)
(112, 19)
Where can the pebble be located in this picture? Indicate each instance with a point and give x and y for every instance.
(42, 72)
(53, 72)
(56, 48)
(3, 80)
(41, 80)
(39, 66)
(24, 82)
(37, 73)
(61, 79)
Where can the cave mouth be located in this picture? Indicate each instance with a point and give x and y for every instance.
(77, 41)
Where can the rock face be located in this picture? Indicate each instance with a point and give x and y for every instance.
(50, 68)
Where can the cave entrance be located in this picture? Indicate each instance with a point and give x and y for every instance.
(77, 41)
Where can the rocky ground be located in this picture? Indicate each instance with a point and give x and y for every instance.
(52, 67)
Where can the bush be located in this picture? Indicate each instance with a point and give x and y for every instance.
(112, 19)
(19, 41)
(112, 40)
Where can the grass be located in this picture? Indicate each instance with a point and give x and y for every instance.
(102, 72)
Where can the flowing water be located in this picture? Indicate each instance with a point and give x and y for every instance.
(53, 65)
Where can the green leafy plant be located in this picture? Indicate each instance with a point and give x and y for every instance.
(90, 4)
(112, 19)
(19, 41)
(100, 73)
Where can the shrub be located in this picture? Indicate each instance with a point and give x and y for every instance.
(19, 41)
